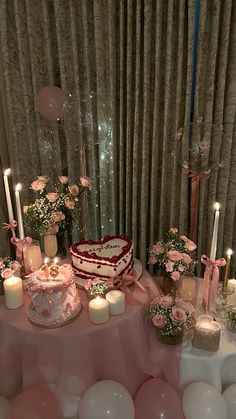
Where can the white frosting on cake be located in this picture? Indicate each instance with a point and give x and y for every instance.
(108, 258)
(54, 300)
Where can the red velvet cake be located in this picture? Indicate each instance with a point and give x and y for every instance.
(104, 259)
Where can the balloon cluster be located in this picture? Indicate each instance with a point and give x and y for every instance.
(107, 399)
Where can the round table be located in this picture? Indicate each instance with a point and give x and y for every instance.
(74, 356)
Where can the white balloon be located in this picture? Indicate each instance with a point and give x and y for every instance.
(230, 400)
(4, 407)
(202, 401)
(69, 405)
(106, 399)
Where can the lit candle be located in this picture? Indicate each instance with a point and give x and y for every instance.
(56, 260)
(13, 290)
(188, 288)
(215, 232)
(227, 268)
(8, 195)
(116, 300)
(98, 310)
(206, 333)
(19, 213)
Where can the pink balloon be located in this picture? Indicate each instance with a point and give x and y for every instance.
(156, 399)
(51, 102)
(36, 402)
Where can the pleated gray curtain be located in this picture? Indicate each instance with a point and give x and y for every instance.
(136, 59)
(215, 101)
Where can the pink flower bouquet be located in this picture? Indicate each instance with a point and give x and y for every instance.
(54, 204)
(174, 256)
(171, 315)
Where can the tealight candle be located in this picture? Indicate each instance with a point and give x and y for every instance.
(98, 310)
(13, 289)
(207, 333)
(116, 300)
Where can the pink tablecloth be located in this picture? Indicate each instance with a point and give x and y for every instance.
(73, 357)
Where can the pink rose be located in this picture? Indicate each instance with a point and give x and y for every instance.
(158, 248)
(173, 230)
(63, 179)
(69, 203)
(186, 306)
(169, 266)
(16, 265)
(178, 314)
(74, 190)
(52, 196)
(7, 273)
(175, 275)
(159, 320)
(181, 268)
(152, 261)
(58, 216)
(165, 301)
(38, 185)
(85, 181)
(188, 243)
(174, 255)
(186, 258)
(202, 146)
(44, 179)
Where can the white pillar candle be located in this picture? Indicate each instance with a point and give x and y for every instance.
(116, 300)
(19, 212)
(188, 288)
(98, 310)
(34, 255)
(13, 289)
(207, 333)
(8, 195)
(215, 232)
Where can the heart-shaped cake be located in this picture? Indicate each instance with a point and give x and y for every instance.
(106, 258)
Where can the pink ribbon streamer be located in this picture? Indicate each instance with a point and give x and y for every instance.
(21, 251)
(195, 176)
(210, 282)
(121, 282)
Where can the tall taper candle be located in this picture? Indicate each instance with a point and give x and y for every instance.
(227, 267)
(19, 213)
(8, 195)
(215, 232)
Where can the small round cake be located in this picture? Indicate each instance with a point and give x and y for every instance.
(54, 296)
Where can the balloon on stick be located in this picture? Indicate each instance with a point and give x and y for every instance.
(51, 102)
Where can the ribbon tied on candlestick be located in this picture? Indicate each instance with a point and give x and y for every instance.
(210, 282)
(21, 251)
(10, 226)
(196, 176)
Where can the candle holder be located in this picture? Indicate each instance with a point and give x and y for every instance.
(206, 334)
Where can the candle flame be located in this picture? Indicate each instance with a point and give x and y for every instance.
(18, 187)
(229, 252)
(47, 260)
(56, 260)
(7, 172)
(216, 206)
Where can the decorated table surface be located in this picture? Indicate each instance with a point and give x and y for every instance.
(74, 356)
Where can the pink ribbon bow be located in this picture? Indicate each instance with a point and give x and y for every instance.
(21, 250)
(10, 226)
(121, 282)
(196, 176)
(211, 279)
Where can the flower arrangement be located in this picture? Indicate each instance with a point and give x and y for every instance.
(54, 204)
(8, 268)
(175, 255)
(231, 317)
(171, 316)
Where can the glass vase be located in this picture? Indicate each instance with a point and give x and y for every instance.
(231, 325)
(169, 340)
(50, 245)
(169, 286)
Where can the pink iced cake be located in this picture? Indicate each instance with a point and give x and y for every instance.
(107, 258)
(54, 296)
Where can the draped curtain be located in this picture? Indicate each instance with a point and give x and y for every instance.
(215, 101)
(136, 58)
